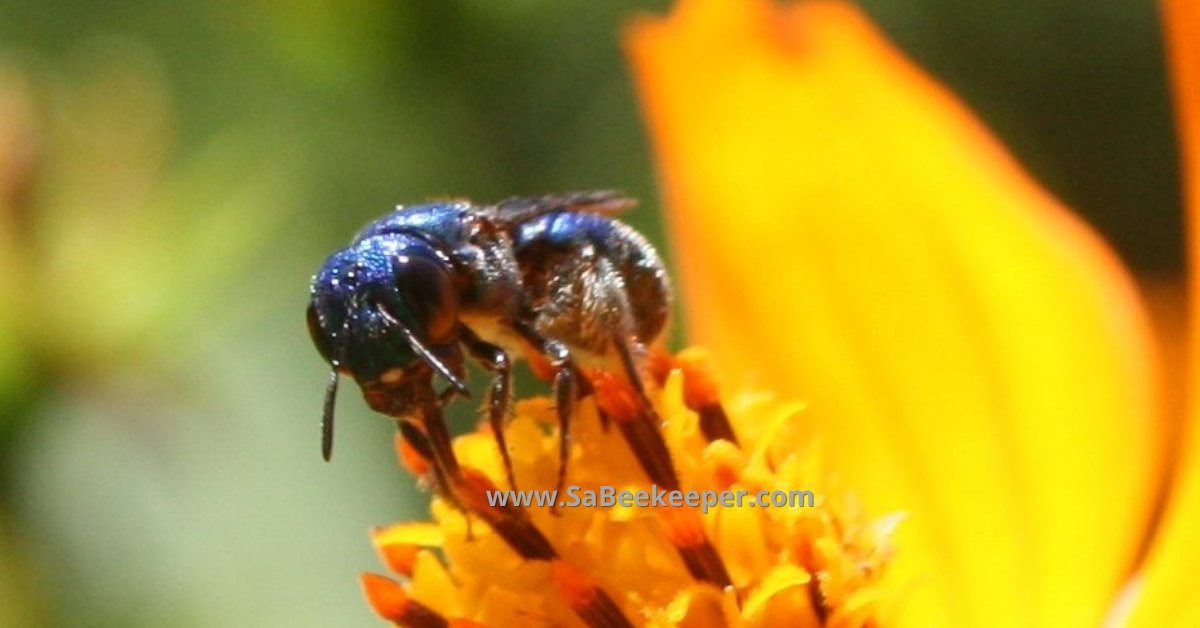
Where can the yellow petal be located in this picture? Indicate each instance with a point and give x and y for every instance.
(847, 233)
(417, 533)
(777, 581)
(1168, 584)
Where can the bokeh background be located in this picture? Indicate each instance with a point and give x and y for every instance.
(172, 173)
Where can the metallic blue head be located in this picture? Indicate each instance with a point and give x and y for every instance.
(385, 311)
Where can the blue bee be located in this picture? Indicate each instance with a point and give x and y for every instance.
(425, 286)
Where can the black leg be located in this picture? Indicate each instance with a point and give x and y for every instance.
(495, 360)
(446, 396)
(625, 349)
(565, 378)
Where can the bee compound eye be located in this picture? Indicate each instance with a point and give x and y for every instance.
(319, 338)
(429, 295)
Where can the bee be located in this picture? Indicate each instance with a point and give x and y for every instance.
(556, 279)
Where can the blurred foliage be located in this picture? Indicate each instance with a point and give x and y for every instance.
(171, 174)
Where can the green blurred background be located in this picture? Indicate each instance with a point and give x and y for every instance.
(172, 173)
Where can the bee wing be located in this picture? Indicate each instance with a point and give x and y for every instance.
(519, 209)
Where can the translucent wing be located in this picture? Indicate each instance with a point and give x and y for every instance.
(523, 208)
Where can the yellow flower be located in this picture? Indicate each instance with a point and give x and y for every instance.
(972, 354)
(622, 565)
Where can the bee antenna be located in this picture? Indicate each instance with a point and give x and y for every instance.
(426, 355)
(327, 417)
(331, 393)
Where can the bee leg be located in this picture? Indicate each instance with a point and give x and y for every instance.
(565, 385)
(630, 364)
(446, 396)
(495, 360)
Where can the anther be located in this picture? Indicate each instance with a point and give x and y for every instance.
(392, 603)
(588, 600)
(686, 532)
(701, 395)
(509, 521)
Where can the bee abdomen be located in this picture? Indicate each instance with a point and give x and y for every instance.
(566, 257)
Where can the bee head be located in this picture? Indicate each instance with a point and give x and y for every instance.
(385, 311)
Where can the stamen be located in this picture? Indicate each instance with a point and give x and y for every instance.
(399, 557)
(392, 603)
(588, 601)
(610, 567)
(509, 521)
(686, 532)
(639, 425)
(411, 459)
(701, 395)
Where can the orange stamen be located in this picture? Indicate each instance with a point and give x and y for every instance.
(399, 557)
(699, 381)
(541, 367)
(386, 596)
(682, 526)
(410, 458)
(575, 586)
(616, 398)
